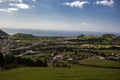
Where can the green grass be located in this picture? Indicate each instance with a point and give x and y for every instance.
(78, 53)
(50, 73)
(109, 51)
(100, 63)
(68, 53)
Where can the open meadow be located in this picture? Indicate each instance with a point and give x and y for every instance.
(50, 73)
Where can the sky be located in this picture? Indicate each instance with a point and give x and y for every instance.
(75, 15)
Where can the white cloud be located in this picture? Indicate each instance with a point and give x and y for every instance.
(105, 2)
(3, 10)
(21, 6)
(13, 9)
(20, 1)
(83, 23)
(86, 24)
(0, 1)
(34, 0)
(10, 10)
(78, 4)
(11, 1)
(14, 5)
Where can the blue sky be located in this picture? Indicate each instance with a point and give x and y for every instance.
(77, 15)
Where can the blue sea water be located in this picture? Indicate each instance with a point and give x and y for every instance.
(54, 32)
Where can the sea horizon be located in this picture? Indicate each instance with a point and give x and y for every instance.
(40, 32)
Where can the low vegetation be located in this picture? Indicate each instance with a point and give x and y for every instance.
(100, 63)
(50, 73)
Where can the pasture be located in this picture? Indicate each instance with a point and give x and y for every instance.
(75, 72)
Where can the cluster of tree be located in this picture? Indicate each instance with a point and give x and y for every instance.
(9, 61)
(30, 62)
(1, 61)
(60, 64)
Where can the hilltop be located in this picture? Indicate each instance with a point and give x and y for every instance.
(23, 36)
(3, 34)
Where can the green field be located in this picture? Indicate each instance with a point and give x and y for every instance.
(50, 73)
(100, 63)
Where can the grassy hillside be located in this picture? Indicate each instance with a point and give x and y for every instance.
(50, 73)
(23, 36)
(100, 63)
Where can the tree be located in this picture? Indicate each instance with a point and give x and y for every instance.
(76, 52)
(2, 61)
(45, 63)
(9, 59)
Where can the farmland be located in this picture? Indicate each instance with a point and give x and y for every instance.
(29, 57)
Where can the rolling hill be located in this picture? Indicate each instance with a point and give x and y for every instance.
(23, 36)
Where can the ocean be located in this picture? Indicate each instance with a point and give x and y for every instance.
(54, 32)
